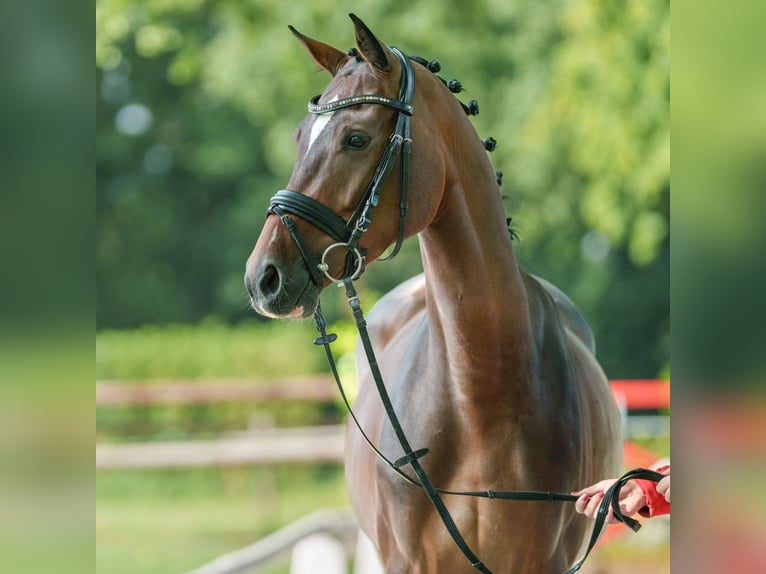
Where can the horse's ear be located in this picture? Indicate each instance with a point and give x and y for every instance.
(329, 58)
(370, 47)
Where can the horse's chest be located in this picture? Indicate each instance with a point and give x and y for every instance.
(456, 459)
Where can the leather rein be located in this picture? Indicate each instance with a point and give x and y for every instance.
(347, 234)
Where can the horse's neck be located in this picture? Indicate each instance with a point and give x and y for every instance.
(477, 303)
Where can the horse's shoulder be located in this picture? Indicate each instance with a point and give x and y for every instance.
(568, 313)
(396, 308)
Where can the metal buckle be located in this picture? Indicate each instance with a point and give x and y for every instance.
(362, 224)
(324, 267)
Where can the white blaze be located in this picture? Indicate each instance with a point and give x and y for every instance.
(319, 124)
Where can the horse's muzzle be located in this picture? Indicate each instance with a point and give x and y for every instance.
(274, 292)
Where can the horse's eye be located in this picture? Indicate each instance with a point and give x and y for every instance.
(356, 141)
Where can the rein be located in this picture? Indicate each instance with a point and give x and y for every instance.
(347, 235)
(611, 496)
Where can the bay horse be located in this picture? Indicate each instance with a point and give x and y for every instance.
(492, 369)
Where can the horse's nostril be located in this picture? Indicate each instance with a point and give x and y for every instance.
(269, 281)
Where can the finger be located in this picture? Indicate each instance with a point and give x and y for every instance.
(663, 485)
(589, 490)
(632, 502)
(581, 502)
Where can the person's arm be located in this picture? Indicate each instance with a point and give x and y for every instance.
(657, 494)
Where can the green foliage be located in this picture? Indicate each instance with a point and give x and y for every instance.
(197, 101)
(211, 349)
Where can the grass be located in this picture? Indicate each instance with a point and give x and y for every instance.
(173, 521)
(138, 536)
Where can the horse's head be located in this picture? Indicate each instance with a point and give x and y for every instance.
(353, 160)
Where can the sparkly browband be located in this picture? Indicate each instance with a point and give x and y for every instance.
(317, 108)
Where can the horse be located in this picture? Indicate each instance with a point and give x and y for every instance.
(490, 368)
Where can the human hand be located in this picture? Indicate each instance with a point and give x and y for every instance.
(631, 500)
(663, 486)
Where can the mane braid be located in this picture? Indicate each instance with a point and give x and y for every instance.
(470, 109)
(454, 86)
(354, 53)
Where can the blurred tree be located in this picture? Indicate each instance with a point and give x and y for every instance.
(198, 99)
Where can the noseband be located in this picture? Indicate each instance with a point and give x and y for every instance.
(347, 234)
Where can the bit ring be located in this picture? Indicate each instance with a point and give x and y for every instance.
(324, 267)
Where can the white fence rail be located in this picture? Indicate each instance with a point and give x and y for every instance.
(121, 393)
(315, 444)
(319, 543)
(307, 444)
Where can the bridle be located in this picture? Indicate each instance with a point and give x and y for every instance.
(347, 234)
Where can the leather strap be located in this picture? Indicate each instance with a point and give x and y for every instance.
(311, 262)
(315, 107)
(612, 498)
(312, 211)
(406, 89)
(324, 340)
(411, 457)
(425, 481)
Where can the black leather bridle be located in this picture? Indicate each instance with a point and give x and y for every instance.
(347, 235)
